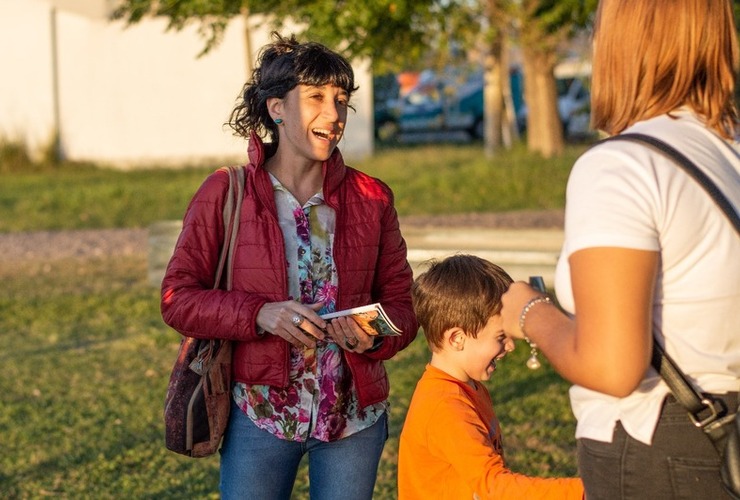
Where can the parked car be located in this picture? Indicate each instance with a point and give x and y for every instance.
(434, 104)
(454, 103)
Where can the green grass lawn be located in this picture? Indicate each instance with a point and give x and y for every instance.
(439, 179)
(86, 357)
(85, 363)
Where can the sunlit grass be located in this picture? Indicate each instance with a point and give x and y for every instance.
(85, 363)
(86, 357)
(426, 179)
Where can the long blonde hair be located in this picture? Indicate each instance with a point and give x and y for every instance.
(654, 56)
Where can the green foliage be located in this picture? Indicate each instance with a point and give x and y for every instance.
(14, 157)
(426, 179)
(391, 32)
(86, 359)
(545, 23)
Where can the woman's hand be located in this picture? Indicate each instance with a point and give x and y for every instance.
(513, 301)
(297, 323)
(348, 335)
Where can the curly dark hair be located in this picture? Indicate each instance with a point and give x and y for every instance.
(282, 65)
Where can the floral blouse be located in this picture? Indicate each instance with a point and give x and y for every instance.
(320, 401)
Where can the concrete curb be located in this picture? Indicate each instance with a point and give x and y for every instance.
(521, 252)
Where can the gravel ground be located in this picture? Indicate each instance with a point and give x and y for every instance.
(51, 245)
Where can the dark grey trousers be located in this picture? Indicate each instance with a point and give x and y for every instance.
(680, 464)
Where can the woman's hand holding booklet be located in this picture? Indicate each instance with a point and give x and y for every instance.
(371, 318)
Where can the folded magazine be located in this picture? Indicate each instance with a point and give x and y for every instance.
(371, 318)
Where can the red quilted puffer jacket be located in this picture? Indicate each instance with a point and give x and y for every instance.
(369, 255)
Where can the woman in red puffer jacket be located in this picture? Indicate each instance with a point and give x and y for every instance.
(315, 236)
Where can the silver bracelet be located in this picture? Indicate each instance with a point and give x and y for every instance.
(533, 362)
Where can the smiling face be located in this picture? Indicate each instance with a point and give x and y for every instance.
(313, 120)
(479, 354)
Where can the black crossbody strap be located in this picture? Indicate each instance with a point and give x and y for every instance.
(702, 410)
(690, 168)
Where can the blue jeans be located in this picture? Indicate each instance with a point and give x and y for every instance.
(680, 464)
(256, 464)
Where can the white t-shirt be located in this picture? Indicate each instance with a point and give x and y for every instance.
(624, 194)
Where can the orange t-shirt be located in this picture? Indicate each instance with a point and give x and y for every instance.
(451, 448)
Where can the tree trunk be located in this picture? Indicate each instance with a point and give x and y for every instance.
(544, 128)
(509, 129)
(497, 126)
(248, 55)
(493, 104)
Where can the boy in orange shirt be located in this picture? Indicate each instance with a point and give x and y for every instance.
(450, 444)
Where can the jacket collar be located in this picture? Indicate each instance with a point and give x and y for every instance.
(333, 168)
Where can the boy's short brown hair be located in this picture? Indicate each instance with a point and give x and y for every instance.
(461, 291)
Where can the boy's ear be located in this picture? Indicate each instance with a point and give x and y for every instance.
(454, 338)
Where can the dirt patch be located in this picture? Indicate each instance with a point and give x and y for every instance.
(52, 245)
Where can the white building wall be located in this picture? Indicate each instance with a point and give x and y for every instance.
(136, 95)
(26, 94)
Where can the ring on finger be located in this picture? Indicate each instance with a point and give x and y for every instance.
(296, 320)
(351, 344)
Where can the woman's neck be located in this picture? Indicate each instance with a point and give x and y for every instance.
(302, 179)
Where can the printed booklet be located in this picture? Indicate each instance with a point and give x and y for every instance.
(371, 318)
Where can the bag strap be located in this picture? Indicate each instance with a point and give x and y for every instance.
(236, 179)
(231, 213)
(689, 167)
(703, 410)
